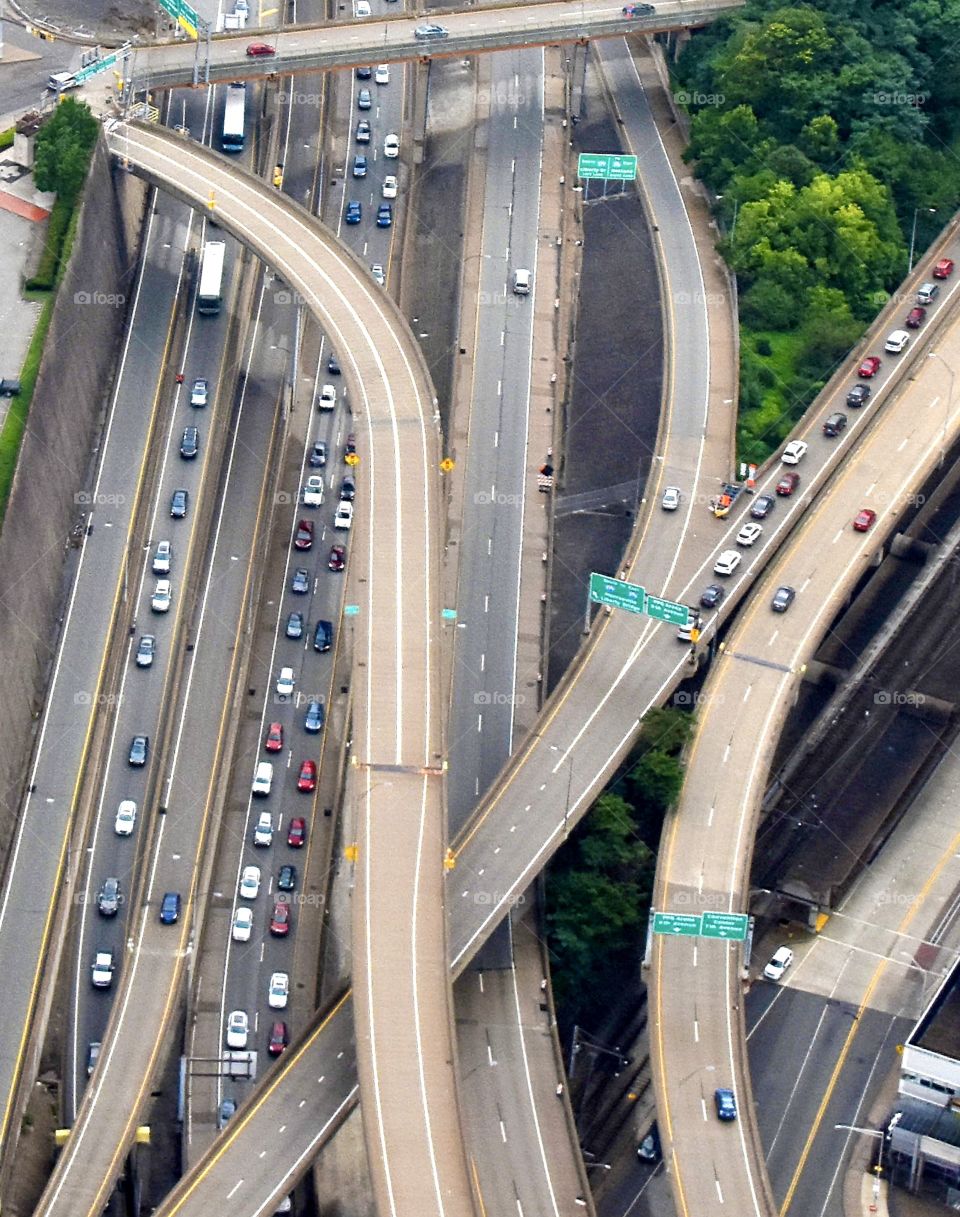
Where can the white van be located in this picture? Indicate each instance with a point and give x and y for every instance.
(263, 779)
(263, 832)
(521, 283)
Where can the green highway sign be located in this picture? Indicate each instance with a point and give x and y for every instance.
(668, 611)
(610, 166)
(686, 925)
(186, 16)
(732, 926)
(94, 69)
(617, 593)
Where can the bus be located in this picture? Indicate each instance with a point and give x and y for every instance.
(211, 278)
(232, 138)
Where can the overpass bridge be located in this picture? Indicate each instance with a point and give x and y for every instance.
(311, 48)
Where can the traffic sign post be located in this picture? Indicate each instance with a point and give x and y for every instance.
(731, 926)
(183, 14)
(684, 925)
(668, 610)
(617, 593)
(608, 166)
(99, 65)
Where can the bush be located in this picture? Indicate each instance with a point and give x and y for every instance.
(6, 139)
(49, 263)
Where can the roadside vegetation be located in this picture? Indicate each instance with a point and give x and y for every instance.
(62, 157)
(599, 885)
(826, 133)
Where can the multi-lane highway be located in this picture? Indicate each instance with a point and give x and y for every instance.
(696, 992)
(375, 39)
(393, 413)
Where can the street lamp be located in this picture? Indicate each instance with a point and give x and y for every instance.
(566, 802)
(913, 233)
(949, 401)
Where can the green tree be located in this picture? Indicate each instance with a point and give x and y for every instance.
(63, 147)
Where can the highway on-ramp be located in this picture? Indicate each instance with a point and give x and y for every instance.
(375, 39)
(396, 717)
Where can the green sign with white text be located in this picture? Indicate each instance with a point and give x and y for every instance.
(732, 926)
(686, 925)
(608, 166)
(617, 593)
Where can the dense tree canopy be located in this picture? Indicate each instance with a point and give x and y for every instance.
(63, 148)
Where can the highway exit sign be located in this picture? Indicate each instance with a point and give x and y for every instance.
(608, 166)
(668, 610)
(183, 14)
(98, 66)
(617, 593)
(732, 926)
(686, 925)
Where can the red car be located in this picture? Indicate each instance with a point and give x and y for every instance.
(916, 318)
(350, 447)
(788, 484)
(260, 48)
(307, 780)
(870, 367)
(280, 921)
(278, 1038)
(943, 269)
(338, 558)
(303, 538)
(864, 519)
(297, 832)
(274, 740)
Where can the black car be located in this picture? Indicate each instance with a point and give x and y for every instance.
(139, 750)
(295, 625)
(287, 878)
(348, 489)
(762, 506)
(300, 583)
(178, 504)
(835, 424)
(712, 594)
(108, 902)
(858, 395)
(364, 73)
(323, 636)
(782, 599)
(318, 454)
(333, 365)
(170, 908)
(190, 444)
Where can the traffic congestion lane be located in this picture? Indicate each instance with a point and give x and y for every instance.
(706, 859)
(375, 39)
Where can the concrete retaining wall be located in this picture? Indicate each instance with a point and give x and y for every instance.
(55, 466)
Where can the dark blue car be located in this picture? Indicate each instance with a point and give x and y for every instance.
(384, 215)
(726, 1104)
(353, 212)
(313, 720)
(170, 908)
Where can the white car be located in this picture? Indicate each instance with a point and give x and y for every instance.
(126, 818)
(161, 558)
(896, 342)
(242, 925)
(250, 883)
(782, 959)
(727, 563)
(749, 533)
(160, 600)
(327, 399)
(344, 516)
(101, 973)
(390, 187)
(361, 8)
(279, 991)
(671, 498)
(285, 682)
(794, 452)
(198, 394)
(382, 74)
(391, 146)
(237, 1027)
(377, 271)
(313, 491)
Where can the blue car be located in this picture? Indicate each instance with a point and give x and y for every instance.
(359, 166)
(726, 1104)
(384, 215)
(313, 721)
(170, 908)
(353, 212)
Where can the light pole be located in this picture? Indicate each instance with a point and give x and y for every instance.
(913, 233)
(566, 802)
(948, 404)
